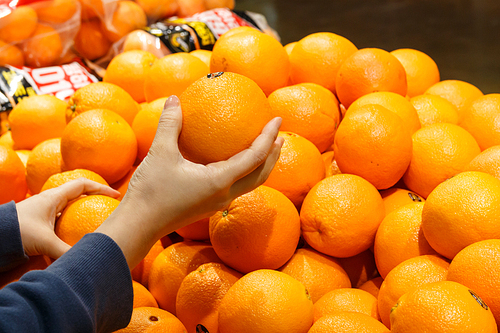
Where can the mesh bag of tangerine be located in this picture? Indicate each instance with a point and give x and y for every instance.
(173, 35)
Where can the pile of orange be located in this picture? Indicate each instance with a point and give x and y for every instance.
(380, 214)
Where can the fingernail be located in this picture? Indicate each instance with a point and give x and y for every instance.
(172, 102)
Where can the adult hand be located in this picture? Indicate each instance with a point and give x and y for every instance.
(37, 215)
(168, 192)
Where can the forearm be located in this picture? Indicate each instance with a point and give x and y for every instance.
(11, 246)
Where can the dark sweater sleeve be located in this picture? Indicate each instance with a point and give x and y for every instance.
(88, 289)
(11, 247)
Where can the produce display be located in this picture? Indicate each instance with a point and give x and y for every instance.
(381, 214)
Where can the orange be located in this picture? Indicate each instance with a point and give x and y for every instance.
(198, 230)
(266, 301)
(203, 55)
(331, 166)
(151, 319)
(11, 55)
(317, 58)
(369, 70)
(397, 197)
(289, 47)
(190, 7)
(43, 48)
(347, 322)
(421, 70)
(433, 109)
(211, 4)
(90, 41)
(372, 142)
(142, 297)
(319, 273)
(459, 93)
(142, 40)
(393, 102)
(101, 141)
(407, 276)
(372, 286)
(222, 114)
(12, 176)
(172, 74)
(122, 184)
(23, 155)
(308, 110)
(6, 140)
(255, 55)
(36, 119)
(360, 267)
(172, 265)
(477, 267)
(487, 161)
(340, 215)
(400, 237)
(482, 120)
(201, 293)
(443, 306)
(129, 71)
(57, 11)
(127, 17)
(14, 274)
(346, 299)
(440, 151)
(299, 167)
(102, 95)
(462, 211)
(19, 25)
(44, 161)
(60, 178)
(96, 8)
(140, 273)
(259, 229)
(83, 216)
(157, 9)
(145, 125)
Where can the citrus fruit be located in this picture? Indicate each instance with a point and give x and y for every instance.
(44, 161)
(433, 109)
(140, 273)
(346, 299)
(346, 322)
(90, 41)
(60, 178)
(360, 267)
(395, 197)
(148, 319)
(43, 48)
(12, 176)
(19, 25)
(142, 297)
(487, 161)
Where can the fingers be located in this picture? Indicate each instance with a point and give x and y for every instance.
(247, 160)
(75, 188)
(169, 127)
(258, 176)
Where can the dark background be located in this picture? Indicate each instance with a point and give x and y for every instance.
(462, 36)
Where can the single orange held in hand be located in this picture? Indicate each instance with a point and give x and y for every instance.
(44, 161)
(222, 114)
(421, 70)
(266, 301)
(318, 272)
(200, 295)
(440, 151)
(369, 70)
(298, 168)
(308, 110)
(172, 74)
(63, 177)
(36, 119)
(12, 176)
(317, 58)
(83, 216)
(259, 229)
(102, 95)
(461, 211)
(443, 306)
(372, 142)
(477, 267)
(340, 215)
(101, 141)
(253, 54)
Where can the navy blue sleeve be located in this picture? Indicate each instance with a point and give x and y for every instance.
(11, 247)
(88, 289)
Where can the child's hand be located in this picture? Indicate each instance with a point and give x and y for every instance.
(37, 215)
(168, 192)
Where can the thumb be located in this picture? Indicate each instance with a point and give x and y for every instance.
(169, 126)
(56, 247)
